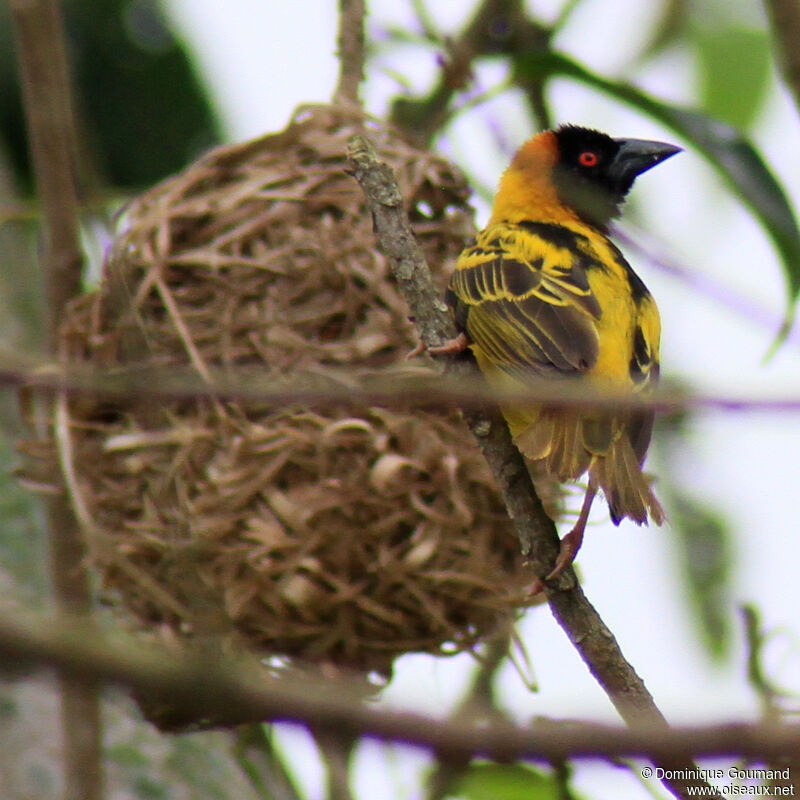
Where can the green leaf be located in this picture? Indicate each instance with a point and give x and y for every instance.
(147, 788)
(734, 64)
(733, 156)
(505, 782)
(702, 538)
(127, 754)
(705, 564)
(144, 111)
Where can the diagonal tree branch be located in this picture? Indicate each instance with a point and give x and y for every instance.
(537, 534)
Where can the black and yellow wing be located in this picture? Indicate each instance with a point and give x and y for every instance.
(522, 295)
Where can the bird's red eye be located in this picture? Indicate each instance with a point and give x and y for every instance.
(587, 158)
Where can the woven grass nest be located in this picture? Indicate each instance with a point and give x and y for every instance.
(341, 534)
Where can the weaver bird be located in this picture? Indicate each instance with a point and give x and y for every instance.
(544, 294)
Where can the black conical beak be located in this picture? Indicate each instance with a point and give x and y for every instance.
(636, 156)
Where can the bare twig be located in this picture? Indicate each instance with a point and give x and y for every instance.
(536, 531)
(336, 749)
(351, 50)
(768, 694)
(46, 89)
(219, 688)
(498, 26)
(477, 704)
(414, 387)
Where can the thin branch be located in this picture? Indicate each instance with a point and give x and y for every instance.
(564, 14)
(218, 688)
(425, 20)
(477, 704)
(755, 641)
(350, 40)
(497, 26)
(768, 695)
(784, 17)
(336, 749)
(46, 91)
(536, 531)
(392, 387)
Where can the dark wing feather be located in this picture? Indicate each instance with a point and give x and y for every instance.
(644, 371)
(526, 302)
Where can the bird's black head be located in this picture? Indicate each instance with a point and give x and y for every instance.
(594, 172)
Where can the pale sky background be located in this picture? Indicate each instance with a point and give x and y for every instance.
(263, 57)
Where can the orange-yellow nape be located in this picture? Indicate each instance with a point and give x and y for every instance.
(527, 183)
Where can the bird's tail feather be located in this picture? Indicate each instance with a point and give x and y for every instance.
(556, 441)
(619, 474)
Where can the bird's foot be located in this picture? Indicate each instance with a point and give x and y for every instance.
(537, 587)
(570, 545)
(455, 345)
(417, 351)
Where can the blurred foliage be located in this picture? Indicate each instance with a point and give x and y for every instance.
(485, 781)
(23, 551)
(23, 555)
(669, 29)
(261, 761)
(705, 564)
(142, 112)
(734, 66)
(141, 762)
(703, 538)
(776, 702)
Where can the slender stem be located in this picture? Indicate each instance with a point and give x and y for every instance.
(336, 748)
(46, 91)
(496, 26)
(564, 14)
(352, 14)
(425, 20)
(477, 704)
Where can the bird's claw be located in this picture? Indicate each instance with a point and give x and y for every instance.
(455, 345)
(570, 545)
